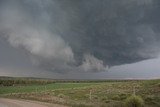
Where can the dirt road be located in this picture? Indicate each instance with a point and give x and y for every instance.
(23, 103)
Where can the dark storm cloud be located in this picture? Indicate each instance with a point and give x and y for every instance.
(82, 35)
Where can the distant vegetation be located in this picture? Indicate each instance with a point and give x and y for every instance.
(23, 82)
(84, 93)
(10, 81)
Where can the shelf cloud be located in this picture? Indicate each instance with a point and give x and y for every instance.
(69, 35)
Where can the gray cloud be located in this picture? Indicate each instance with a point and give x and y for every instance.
(69, 35)
(91, 63)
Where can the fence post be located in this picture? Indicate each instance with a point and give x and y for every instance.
(90, 95)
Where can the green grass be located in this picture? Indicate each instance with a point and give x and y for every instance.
(107, 94)
(40, 88)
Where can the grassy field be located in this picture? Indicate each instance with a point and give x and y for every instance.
(41, 88)
(91, 94)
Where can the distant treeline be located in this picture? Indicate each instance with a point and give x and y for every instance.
(15, 82)
(90, 81)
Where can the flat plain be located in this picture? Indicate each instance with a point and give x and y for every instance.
(107, 93)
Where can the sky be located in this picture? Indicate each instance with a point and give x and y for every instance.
(80, 39)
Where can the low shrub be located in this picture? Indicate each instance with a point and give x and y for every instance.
(61, 95)
(104, 98)
(115, 97)
(134, 101)
(158, 84)
(122, 96)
